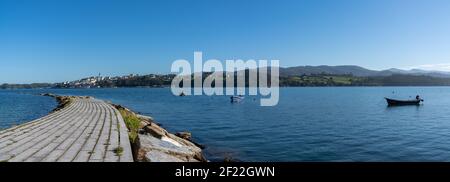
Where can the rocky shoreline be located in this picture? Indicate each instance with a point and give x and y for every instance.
(149, 141)
(155, 144)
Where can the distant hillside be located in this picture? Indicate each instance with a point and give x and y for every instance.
(418, 72)
(346, 75)
(347, 80)
(356, 71)
(26, 86)
(334, 70)
(406, 80)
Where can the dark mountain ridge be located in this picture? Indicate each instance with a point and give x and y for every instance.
(356, 71)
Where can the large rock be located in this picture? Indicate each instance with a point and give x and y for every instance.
(158, 145)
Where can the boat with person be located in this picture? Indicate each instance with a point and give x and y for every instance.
(396, 102)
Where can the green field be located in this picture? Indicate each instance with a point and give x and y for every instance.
(320, 80)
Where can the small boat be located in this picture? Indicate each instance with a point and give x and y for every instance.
(395, 102)
(236, 99)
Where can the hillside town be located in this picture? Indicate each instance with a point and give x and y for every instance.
(132, 80)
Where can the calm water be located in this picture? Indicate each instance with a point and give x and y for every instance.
(309, 124)
(17, 107)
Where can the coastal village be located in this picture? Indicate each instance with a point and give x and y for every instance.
(94, 81)
(151, 80)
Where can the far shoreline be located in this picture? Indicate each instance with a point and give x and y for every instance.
(366, 86)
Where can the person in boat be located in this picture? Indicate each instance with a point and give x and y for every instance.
(418, 97)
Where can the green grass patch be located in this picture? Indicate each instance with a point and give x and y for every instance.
(342, 80)
(321, 80)
(133, 123)
(118, 151)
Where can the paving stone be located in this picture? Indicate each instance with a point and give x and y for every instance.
(87, 130)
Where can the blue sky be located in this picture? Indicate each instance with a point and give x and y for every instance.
(58, 40)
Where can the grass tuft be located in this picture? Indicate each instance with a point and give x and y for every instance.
(118, 151)
(133, 123)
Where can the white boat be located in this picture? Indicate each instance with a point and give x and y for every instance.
(235, 99)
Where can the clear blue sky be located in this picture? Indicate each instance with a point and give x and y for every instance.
(58, 40)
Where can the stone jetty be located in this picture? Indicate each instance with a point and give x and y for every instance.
(84, 130)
